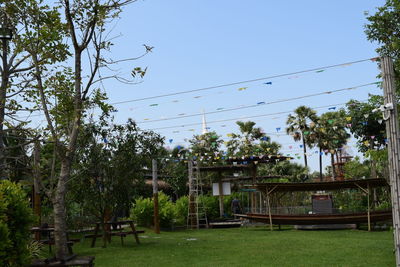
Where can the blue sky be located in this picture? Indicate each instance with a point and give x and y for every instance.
(205, 43)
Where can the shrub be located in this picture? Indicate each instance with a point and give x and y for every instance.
(181, 210)
(166, 210)
(142, 211)
(15, 221)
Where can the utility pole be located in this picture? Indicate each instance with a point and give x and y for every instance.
(392, 130)
(155, 197)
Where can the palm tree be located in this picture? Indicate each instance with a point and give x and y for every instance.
(330, 134)
(299, 126)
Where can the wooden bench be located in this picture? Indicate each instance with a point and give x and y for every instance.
(51, 242)
(124, 234)
(119, 232)
(87, 261)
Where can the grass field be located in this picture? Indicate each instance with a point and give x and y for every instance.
(253, 246)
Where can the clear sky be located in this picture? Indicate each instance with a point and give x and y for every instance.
(206, 43)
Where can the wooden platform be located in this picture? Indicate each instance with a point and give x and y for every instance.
(311, 219)
(225, 224)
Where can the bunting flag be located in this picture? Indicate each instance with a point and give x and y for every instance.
(171, 140)
(364, 123)
(332, 108)
(380, 121)
(153, 105)
(198, 96)
(105, 140)
(270, 83)
(348, 118)
(318, 71)
(330, 121)
(278, 129)
(242, 88)
(220, 108)
(366, 116)
(260, 103)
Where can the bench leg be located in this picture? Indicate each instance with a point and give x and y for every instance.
(134, 232)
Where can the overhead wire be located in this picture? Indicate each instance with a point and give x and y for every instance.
(258, 104)
(238, 118)
(243, 82)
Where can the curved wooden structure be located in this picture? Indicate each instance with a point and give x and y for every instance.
(364, 185)
(311, 219)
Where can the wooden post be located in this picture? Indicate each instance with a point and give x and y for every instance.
(36, 186)
(392, 131)
(253, 194)
(221, 196)
(155, 197)
(269, 210)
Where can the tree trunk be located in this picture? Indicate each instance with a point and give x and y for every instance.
(320, 165)
(60, 215)
(333, 166)
(3, 94)
(304, 150)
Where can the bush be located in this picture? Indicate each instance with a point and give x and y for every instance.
(181, 210)
(142, 211)
(166, 210)
(15, 221)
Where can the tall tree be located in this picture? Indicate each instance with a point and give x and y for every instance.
(71, 88)
(250, 141)
(206, 146)
(330, 134)
(15, 66)
(108, 172)
(299, 126)
(384, 28)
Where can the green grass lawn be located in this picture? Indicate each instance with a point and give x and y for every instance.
(253, 246)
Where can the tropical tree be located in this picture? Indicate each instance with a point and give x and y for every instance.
(299, 126)
(384, 28)
(367, 126)
(330, 135)
(108, 172)
(206, 147)
(251, 141)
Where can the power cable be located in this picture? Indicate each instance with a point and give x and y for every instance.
(243, 82)
(258, 104)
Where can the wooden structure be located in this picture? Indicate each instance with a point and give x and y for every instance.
(122, 234)
(311, 219)
(248, 164)
(197, 216)
(270, 188)
(389, 110)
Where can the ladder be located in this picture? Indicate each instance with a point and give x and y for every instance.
(197, 217)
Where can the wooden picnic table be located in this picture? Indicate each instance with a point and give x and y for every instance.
(119, 231)
(45, 235)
